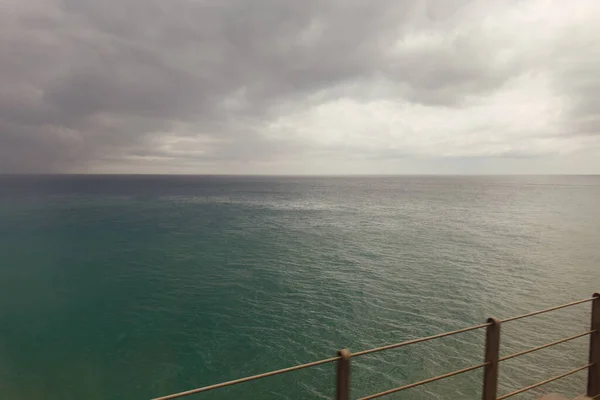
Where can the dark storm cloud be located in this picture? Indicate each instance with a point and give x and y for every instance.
(85, 80)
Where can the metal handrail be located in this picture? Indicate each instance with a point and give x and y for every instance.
(409, 342)
(525, 389)
(248, 378)
(406, 343)
(547, 310)
(546, 345)
(423, 382)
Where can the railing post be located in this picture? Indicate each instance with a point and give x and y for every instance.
(343, 375)
(492, 354)
(593, 386)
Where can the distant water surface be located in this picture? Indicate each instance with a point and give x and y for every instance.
(131, 287)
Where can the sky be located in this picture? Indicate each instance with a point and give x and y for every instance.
(300, 87)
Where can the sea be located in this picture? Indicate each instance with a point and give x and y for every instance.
(138, 286)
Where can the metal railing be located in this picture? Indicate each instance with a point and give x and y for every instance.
(490, 363)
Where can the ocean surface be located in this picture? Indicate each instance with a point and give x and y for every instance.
(132, 287)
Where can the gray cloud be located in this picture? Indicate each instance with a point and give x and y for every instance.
(87, 83)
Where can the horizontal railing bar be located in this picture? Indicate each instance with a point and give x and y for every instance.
(546, 310)
(249, 378)
(423, 382)
(543, 382)
(406, 343)
(370, 351)
(585, 397)
(545, 346)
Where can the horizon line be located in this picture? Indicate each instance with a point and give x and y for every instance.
(287, 175)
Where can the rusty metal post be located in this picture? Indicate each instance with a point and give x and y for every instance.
(492, 355)
(593, 386)
(343, 375)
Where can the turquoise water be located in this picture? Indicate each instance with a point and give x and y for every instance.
(130, 287)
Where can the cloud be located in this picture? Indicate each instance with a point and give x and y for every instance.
(198, 86)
